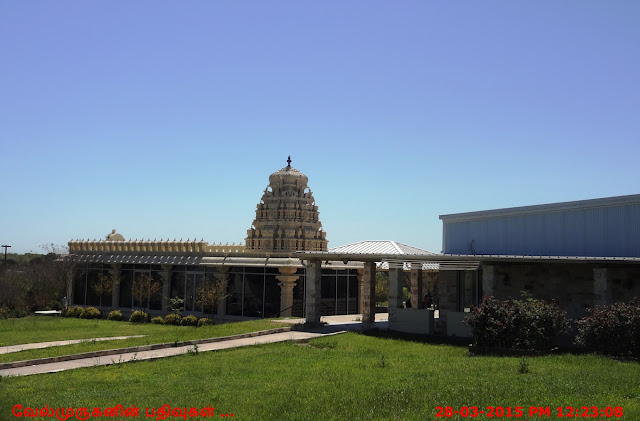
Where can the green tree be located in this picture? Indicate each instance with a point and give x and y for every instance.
(104, 285)
(211, 292)
(143, 288)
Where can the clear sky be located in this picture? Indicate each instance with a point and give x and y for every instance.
(165, 118)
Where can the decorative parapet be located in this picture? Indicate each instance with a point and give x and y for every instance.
(151, 247)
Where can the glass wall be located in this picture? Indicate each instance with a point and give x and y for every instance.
(253, 291)
(339, 292)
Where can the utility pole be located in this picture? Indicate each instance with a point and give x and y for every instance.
(5, 254)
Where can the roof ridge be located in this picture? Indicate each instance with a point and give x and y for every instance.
(394, 244)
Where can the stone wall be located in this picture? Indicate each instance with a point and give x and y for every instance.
(570, 284)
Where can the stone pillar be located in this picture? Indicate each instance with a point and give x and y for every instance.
(600, 286)
(313, 291)
(287, 283)
(166, 285)
(116, 272)
(395, 290)
(369, 293)
(417, 289)
(489, 281)
(360, 277)
(222, 276)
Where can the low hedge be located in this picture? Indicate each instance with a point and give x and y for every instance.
(172, 319)
(205, 322)
(73, 312)
(115, 315)
(139, 317)
(190, 320)
(91, 313)
(612, 330)
(526, 324)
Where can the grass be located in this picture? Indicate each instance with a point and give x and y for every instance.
(45, 329)
(349, 376)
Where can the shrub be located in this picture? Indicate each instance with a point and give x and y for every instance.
(205, 322)
(73, 312)
(139, 317)
(20, 312)
(612, 330)
(517, 324)
(91, 313)
(115, 315)
(173, 319)
(189, 321)
(176, 304)
(157, 320)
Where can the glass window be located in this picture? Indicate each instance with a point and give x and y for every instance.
(253, 295)
(467, 290)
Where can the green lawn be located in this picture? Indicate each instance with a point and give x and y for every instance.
(343, 377)
(45, 329)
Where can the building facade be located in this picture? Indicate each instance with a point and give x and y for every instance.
(580, 254)
(263, 277)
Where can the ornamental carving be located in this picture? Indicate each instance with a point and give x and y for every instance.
(287, 216)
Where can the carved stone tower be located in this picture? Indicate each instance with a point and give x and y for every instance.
(287, 216)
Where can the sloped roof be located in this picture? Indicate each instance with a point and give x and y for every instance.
(379, 247)
(386, 247)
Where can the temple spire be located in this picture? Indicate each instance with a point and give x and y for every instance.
(286, 217)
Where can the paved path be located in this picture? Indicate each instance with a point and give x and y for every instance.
(38, 345)
(336, 320)
(158, 353)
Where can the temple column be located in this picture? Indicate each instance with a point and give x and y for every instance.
(417, 289)
(600, 286)
(395, 290)
(115, 271)
(222, 276)
(287, 283)
(369, 293)
(165, 274)
(313, 291)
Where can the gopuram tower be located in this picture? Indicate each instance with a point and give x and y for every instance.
(287, 216)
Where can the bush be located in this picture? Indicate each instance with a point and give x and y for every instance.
(189, 321)
(139, 317)
(157, 320)
(173, 319)
(205, 322)
(7, 313)
(612, 330)
(517, 324)
(115, 315)
(91, 313)
(74, 312)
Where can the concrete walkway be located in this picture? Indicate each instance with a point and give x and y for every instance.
(158, 353)
(38, 345)
(349, 319)
(334, 325)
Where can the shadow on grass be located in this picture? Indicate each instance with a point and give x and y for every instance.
(423, 339)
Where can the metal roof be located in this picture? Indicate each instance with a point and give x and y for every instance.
(138, 259)
(546, 208)
(460, 261)
(207, 261)
(378, 247)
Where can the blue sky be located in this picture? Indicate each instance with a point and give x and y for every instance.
(164, 118)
